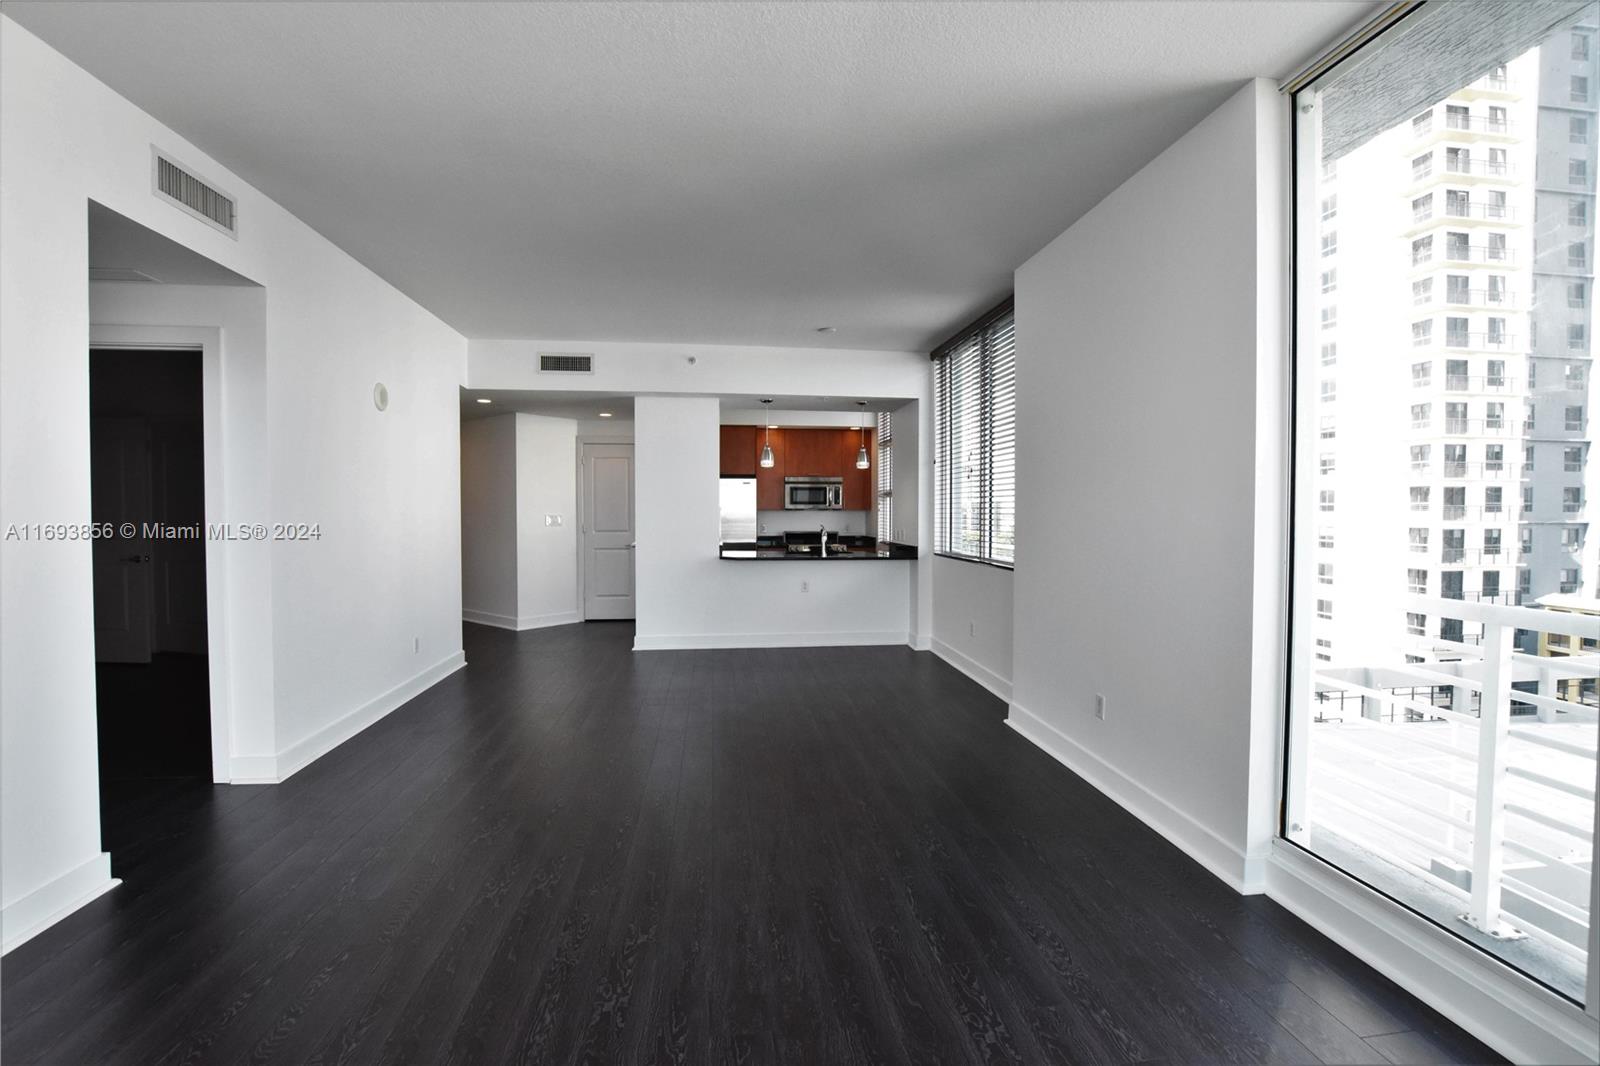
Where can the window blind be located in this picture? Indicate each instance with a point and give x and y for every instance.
(975, 412)
(886, 476)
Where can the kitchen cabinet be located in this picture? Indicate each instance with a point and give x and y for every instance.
(811, 453)
(801, 452)
(769, 479)
(740, 451)
(859, 494)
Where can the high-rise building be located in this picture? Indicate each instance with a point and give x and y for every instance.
(1464, 236)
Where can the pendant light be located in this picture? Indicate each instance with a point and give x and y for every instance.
(862, 462)
(766, 449)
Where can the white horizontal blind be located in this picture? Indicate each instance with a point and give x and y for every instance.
(975, 442)
(1001, 515)
(885, 476)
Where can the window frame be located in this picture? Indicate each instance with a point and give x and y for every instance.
(944, 466)
(1302, 402)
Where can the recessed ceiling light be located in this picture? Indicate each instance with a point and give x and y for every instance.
(605, 414)
(484, 399)
(827, 329)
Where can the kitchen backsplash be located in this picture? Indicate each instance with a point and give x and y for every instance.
(772, 523)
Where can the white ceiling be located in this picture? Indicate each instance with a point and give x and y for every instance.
(718, 173)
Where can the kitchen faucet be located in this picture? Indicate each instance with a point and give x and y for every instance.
(823, 529)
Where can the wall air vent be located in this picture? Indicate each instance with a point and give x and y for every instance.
(199, 198)
(566, 363)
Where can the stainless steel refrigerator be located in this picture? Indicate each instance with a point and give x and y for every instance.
(738, 501)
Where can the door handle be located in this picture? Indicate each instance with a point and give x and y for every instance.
(633, 544)
(135, 558)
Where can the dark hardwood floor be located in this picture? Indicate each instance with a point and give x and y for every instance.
(570, 852)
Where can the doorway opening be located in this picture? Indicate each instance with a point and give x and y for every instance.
(152, 671)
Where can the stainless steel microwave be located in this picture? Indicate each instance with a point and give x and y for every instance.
(813, 494)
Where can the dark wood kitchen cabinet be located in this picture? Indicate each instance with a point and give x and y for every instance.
(769, 480)
(800, 452)
(740, 451)
(811, 453)
(858, 484)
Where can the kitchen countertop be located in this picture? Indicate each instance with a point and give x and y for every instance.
(878, 550)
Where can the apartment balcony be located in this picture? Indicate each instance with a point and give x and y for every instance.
(1481, 299)
(1463, 427)
(1489, 89)
(1469, 172)
(1488, 470)
(1464, 257)
(1460, 512)
(1493, 384)
(1479, 341)
(1497, 557)
(1463, 785)
(1466, 216)
(1461, 129)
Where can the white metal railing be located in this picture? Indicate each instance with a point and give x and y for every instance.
(1442, 798)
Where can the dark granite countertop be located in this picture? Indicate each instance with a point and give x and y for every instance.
(882, 549)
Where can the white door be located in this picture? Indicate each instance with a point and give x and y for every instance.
(608, 532)
(119, 493)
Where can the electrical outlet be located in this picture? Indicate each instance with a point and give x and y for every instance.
(805, 586)
(1100, 706)
(552, 520)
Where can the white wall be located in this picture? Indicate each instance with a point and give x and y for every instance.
(908, 472)
(1139, 349)
(690, 598)
(725, 370)
(972, 618)
(347, 611)
(489, 521)
(547, 556)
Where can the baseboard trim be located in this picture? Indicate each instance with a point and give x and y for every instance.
(488, 618)
(253, 770)
(46, 905)
(267, 770)
(703, 641)
(532, 621)
(1244, 874)
(545, 621)
(1000, 686)
(1517, 1017)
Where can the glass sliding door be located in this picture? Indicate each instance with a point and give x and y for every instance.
(1446, 605)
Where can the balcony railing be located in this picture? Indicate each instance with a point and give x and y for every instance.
(1479, 253)
(1469, 298)
(1477, 124)
(1471, 212)
(1448, 772)
(1478, 168)
(1498, 342)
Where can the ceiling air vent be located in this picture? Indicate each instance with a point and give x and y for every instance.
(200, 198)
(566, 363)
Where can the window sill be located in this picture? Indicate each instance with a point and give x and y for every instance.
(972, 559)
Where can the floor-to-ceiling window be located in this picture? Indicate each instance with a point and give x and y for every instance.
(1446, 609)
